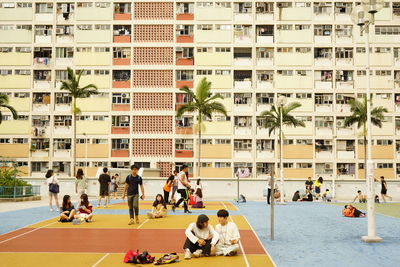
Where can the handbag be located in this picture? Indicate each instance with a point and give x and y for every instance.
(54, 188)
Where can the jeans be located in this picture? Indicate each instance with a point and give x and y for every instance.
(133, 203)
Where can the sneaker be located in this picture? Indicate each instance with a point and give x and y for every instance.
(137, 220)
(131, 222)
(173, 208)
(104, 206)
(51, 209)
(232, 253)
(188, 211)
(188, 255)
(58, 210)
(197, 253)
(98, 206)
(150, 215)
(219, 253)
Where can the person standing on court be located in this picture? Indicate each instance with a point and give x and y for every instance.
(174, 187)
(104, 180)
(384, 190)
(131, 189)
(183, 187)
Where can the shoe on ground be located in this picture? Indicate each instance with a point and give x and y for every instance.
(137, 220)
(188, 211)
(197, 253)
(104, 206)
(232, 253)
(188, 255)
(219, 253)
(173, 208)
(58, 210)
(150, 215)
(131, 222)
(51, 209)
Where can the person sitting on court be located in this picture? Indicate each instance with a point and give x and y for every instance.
(296, 196)
(350, 211)
(85, 209)
(229, 236)
(198, 198)
(201, 238)
(308, 197)
(326, 196)
(159, 209)
(361, 198)
(67, 211)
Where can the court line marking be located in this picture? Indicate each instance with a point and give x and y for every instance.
(262, 245)
(35, 229)
(100, 260)
(240, 242)
(27, 226)
(145, 221)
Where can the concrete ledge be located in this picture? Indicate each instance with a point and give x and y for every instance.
(20, 199)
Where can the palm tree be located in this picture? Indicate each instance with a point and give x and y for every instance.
(273, 122)
(74, 89)
(4, 104)
(359, 116)
(204, 104)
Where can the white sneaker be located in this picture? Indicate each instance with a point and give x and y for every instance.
(58, 210)
(51, 209)
(188, 255)
(197, 253)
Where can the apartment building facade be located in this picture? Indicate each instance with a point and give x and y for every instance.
(139, 53)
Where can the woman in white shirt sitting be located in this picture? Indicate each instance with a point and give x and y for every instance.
(201, 238)
(229, 237)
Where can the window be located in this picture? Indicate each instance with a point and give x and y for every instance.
(222, 72)
(6, 72)
(344, 31)
(222, 165)
(85, 27)
(101, 72)
(205, 4)
(101, 27)
(44, 8)
(285, 50)
(99, 141)
(284, 27)
(206, 141)
(184, 75)
(84, 4)
(64, 52)
(84, 49)
(6, 49)
(120, 144)
(20, 140)
(285, 72)
(384, 142)
(39, 166)
(204, 72)
(384, 165)
(43, 30)
(223, 49)
(205, 27)
(265, 98)
(303, 96)
(222, 141)
(264, 8)
(303, 49)
(242, 144)
(24, 5)
(62, 121)
(265, 144)
(184, 144)
(303, 165)
(387, 30)
(242, 98)
(100, 118)
(5, 141)
(23, 49)
(121, 75)
(62, 144)
(120, 121)
(184, 30)
(383, 73)
(300, 27)
(121, 52)
(243, 121)
(223, 27)
(101, 49)
(344, 53)
(184, 8)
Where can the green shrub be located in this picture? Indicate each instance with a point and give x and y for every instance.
(7, 177)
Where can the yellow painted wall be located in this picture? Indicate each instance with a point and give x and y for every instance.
(92, 58)
(16, 13)
(15, 59)
(294, 82)
(213, 59)
(213, 36)
(217, 81)
(91, 171)
(15, 81)
(93, 127)
(216, 151)
(376, 59)
(307, 105)
(377, 82)
(378, 152)
(216, 172)
(94, 13)
(93, 36)
(22, 171)
(14, 150)
(299, 131)
(387, 173)
(211, 13)
(93, 150)
(14, 127)
(296, 173)
(387, 129)
(93, 104)
(227, 102)
(295, 13)
(218, 128)
(101, 81)
(296, 151)
(20, 104)
(294, 59)
(15, 36)
(387, 103)
(293, 36)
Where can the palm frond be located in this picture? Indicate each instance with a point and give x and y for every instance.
(190, 107)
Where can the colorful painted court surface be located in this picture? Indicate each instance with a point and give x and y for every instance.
(104, 241)
(306, 234)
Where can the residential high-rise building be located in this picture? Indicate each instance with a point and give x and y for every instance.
(139, 53)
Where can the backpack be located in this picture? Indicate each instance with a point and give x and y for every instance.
(167, 258)
(134, 257)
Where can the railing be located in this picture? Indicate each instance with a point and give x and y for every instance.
(19, 191)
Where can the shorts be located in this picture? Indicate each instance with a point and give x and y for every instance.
(103, 192)
(383, 191)
(66, 220)
(317, 190)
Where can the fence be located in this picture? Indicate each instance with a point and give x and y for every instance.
(19, 191)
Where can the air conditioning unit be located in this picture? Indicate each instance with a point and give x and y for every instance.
(328, 166)
(339, 97)
(124, 141)
(262, 49)
(179, 49)
(181, 27)
(123, 95)
(60, 31)
(124, 119)
(247, 4)
(328, 142)
(339, 123)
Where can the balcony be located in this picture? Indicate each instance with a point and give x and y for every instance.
(16, 13)
(18, 35)
(242, 79)
(242, 34)
(342, 130)
(122, 34)
(41, 102)
(242, 56)
(184, 33)
(184, 11)
(323, 79)
(102, 11)
(43, 34)
(65, 12)
(323, 149)
(184, 56)
(64, 34)
(41, 79)
(42, 57)
(121, 79)
(346, 171)
(184, 153)
(242, 11)
(264, 11)
(243, 125)
(122, 11)
(44, 12)
(297, 12)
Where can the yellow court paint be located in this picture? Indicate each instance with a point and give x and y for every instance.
(121, 222)
(146, 206)
(17, 259)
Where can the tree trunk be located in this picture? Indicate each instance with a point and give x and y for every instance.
(199, 148)
(74, 140)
